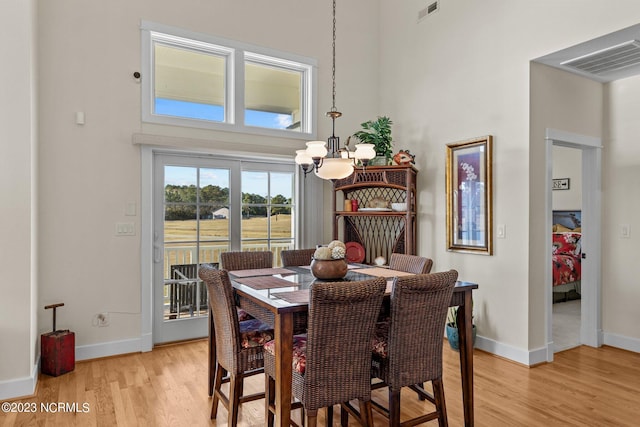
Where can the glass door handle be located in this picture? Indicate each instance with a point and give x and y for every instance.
(156, 254)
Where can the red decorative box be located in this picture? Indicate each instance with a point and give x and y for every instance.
(58, 350)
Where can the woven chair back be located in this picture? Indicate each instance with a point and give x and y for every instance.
(410, 263)
(342, 318)
(246, 260)
(225, 317)
(419, 307)
(296, 257)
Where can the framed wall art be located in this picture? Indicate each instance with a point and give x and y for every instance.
(469, 196)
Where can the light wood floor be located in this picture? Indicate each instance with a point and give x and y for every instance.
(168, 387)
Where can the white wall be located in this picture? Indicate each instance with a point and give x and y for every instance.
(464, 72)
(621, 204)
(18, 286)
(88, 52)
(567, 163)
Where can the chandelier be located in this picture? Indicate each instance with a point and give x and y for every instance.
(327, 159)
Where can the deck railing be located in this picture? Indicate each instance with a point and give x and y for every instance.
(184, 296)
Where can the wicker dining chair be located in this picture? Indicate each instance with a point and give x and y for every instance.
(407, 350)
(296, 257)
(410, 263)
(332, 361)
(239, 345)
(241, 260)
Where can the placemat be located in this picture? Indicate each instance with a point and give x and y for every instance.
(295, 297)
(349, 266)
(265, 282)
(383, 272)
(260, 272)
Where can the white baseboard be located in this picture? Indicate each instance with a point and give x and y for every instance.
(20, 387)
(519, 355)
(619, 341)
(536, 356)
(112, 348)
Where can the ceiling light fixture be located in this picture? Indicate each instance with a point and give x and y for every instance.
(328, 159)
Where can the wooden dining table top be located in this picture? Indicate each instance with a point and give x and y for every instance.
(288, 287)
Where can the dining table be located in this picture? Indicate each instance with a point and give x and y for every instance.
(280, 297)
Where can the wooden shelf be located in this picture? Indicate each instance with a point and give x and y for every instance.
(379, 232)
(381, 213)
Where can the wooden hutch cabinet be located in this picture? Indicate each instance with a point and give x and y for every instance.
(380, 232)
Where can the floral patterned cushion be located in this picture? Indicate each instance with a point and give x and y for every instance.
(243, 315)
(254, 333)
(299, 352)
(566, 243)
(380, 341)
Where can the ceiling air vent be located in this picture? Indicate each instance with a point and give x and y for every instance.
(607, 60)
(431, 8)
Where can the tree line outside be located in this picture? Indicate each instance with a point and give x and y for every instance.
(180, 203)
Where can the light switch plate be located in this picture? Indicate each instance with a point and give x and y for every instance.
(125, 229)
(502, 231)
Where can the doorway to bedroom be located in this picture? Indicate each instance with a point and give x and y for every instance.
(588, 253)
(567, 251)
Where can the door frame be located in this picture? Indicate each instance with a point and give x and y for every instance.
(591, 313)
(305, 189)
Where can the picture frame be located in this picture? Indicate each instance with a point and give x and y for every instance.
(560, 184)
(469, 185)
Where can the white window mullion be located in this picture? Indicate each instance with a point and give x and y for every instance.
(236, 96)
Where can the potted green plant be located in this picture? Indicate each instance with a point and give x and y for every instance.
(452, 329)
(378, 133)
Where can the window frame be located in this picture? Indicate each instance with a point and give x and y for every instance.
(237, 53)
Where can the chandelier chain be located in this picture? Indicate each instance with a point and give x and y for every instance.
(333, 68)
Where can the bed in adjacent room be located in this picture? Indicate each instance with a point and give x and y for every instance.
(566, 255)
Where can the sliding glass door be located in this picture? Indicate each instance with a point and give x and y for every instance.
(203, 207)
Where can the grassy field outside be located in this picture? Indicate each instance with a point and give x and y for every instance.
(180, 238)
(218, 229)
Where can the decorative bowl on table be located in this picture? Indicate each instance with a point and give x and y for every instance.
(328, 262)
(329, 269)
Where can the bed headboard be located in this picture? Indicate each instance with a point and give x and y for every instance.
(567, 220)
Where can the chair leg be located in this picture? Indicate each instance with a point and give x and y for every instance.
(217, 385)
(269, 399)
(366, 413)
(235, 388)
(344, 417)
(329, 420)
(311, 418)
(394, 408)
(441, 406)
(421, 397)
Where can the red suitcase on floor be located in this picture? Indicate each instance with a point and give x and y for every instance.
(57, 349)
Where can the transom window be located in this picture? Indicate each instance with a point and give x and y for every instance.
(201, 81)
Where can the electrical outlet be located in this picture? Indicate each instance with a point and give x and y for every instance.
(101, 319)
(625, 231)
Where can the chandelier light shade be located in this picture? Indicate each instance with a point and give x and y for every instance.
(316, 149)
(333, 168)
(328, 159)
(364, 153)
